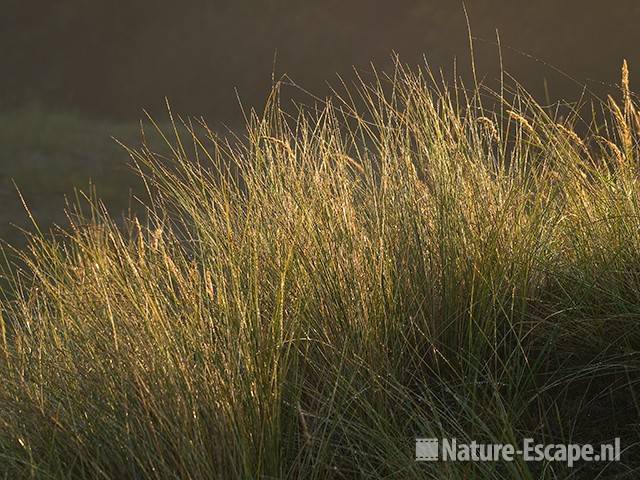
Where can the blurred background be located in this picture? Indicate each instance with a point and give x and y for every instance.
(76, 72)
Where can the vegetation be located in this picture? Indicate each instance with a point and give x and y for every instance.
(402, 261)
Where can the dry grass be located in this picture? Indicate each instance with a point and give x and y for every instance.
(400, 263)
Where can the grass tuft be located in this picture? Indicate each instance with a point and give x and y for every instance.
(399, 262)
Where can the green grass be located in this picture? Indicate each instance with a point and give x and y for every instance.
(401, 262)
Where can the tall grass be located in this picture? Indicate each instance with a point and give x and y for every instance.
(401, 261)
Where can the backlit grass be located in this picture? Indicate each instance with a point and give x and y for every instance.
(401, 262)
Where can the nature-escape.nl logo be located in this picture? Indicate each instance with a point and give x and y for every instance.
(450, 450)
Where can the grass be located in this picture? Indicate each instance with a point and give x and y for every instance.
(399, 262)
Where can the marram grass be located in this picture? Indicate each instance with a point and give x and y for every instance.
(401, 262)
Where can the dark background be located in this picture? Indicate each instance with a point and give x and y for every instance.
(73, 73)
(112, 58)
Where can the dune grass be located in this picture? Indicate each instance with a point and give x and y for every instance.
(400, 262)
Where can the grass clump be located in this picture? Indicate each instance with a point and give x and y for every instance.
(399, 262)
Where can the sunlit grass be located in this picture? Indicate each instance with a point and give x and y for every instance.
(400, 262)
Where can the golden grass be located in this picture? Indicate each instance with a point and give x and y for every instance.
(305, 302)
